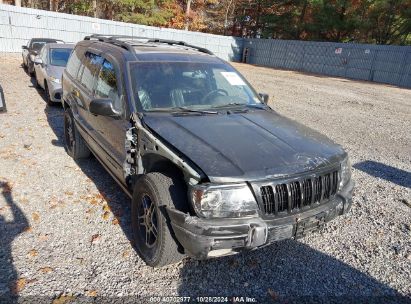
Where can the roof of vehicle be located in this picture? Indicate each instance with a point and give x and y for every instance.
(149, 49)
(44, 39)
(60, 45)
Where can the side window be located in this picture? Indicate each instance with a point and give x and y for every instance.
(73, 64)
(92, 64)
(43, 55)
(107, 84)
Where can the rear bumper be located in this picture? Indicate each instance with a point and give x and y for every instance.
(204, 238)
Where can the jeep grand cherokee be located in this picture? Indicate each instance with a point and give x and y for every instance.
(211, 169)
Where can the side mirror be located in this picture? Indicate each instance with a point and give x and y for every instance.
(24, 47)
(2, 101)
(38, 61)
(104, 107)
(264, 97)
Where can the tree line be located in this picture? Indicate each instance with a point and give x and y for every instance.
(362, 21)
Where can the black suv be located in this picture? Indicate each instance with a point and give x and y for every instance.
(210, 167)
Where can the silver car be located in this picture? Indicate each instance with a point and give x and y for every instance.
(48, 68)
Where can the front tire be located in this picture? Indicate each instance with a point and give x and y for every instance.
(47, 95)
(30, 67)
(36, 82)
(153, 236)
(75, 145)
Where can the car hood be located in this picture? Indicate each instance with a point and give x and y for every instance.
(55, 71)
(258, 144)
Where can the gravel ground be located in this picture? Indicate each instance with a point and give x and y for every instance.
(64, 227)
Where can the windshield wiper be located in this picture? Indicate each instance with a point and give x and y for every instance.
(229, 105)
(176, 110)
(185, 109)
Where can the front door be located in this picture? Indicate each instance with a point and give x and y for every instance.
(110, 132)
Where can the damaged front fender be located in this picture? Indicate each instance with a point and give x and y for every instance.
(140, 142)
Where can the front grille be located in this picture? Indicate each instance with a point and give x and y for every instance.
(307, 192)
(294, 195)
(282, 196)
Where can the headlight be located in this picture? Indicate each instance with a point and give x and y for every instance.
(345, 172)
(223, 200)
(55, 80)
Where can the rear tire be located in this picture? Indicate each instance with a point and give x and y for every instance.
(74, 143)
(153, 236)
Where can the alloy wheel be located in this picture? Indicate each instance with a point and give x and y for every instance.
(147, 220)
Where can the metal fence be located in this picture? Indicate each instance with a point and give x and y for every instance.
(18, 25)
(386, 64)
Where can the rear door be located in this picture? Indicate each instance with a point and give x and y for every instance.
(70, 77)
(110, 132)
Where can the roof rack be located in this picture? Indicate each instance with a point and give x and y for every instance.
(115, 40)
(112, 40)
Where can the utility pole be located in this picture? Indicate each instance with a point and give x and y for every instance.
(187, 14)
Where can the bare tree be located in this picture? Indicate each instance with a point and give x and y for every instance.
(95, 8)
(188, 15)
(53, 5)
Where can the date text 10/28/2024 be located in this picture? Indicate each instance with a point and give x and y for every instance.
(200, 299)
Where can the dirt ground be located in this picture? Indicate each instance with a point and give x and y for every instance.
(65, 227)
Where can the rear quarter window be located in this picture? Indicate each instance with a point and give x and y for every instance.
(74, 63)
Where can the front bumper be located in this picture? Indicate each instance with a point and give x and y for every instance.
(204, 238)
(55, 91)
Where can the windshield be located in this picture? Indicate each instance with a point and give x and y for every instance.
(36, 46)
(167, 85)
(59, 57)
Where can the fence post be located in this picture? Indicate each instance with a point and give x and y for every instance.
(371, 76)
(404, 71)
(303, 60)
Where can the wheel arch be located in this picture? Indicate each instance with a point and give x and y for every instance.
(153, 162)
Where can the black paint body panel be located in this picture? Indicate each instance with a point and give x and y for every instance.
(247, 146)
